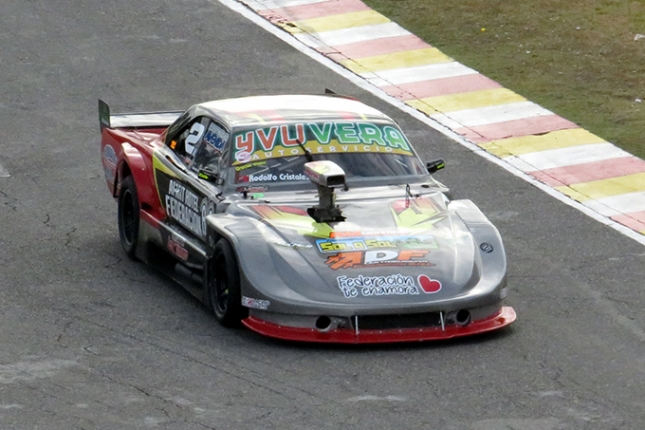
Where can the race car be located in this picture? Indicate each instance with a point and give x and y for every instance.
(303, 217)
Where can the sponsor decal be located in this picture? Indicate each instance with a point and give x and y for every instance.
(252, 303)
(292, 177)
(109, 155)
(248, 166)
(216, 137)
(242, 157)
(177, 248)
(332, 148)
(270, 177)
(429, 285)
(284, 140)
(361, 244)
(362, 259)
(183, 206)
(366, 286)
(109, 163)
(207, 208)
(399, 285)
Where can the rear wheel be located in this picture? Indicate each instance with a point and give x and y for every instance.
(128, 215)
(224, 294)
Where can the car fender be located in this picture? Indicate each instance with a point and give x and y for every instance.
(252, 251)
(217, 226)
(488, 243)
(133, 163)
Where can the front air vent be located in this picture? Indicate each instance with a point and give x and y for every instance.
(390, 322)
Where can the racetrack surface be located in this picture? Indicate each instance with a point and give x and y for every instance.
(92, 340)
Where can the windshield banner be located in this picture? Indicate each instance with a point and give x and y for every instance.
(319, 138)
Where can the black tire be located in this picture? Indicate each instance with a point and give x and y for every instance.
(224, 295)
(128, 215)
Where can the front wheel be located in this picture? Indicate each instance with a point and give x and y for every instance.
(224, 293)
(128, 214)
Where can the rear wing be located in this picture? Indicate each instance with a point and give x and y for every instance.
(136, 119)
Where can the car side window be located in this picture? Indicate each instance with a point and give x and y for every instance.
(208, 153)
(186, 142)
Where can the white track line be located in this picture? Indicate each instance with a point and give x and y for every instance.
(427, 72)
(570, 156)
(352, 35)
(622, 204)
(362, 83)
(279, 4)
(492, 114)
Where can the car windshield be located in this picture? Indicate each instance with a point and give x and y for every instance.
(374, 152)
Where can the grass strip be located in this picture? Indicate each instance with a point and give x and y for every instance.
(582, 59)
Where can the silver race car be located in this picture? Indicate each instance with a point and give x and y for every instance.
(307, 218)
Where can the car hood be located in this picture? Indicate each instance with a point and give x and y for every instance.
(407, 249)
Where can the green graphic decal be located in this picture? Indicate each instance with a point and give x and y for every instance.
(322, 138)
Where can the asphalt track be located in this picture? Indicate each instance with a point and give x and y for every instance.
(91, 340)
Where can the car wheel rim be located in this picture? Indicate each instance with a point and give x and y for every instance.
(128, 218)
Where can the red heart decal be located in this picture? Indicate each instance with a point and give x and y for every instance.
(429, 285)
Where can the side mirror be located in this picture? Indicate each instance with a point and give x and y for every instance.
(435, 165)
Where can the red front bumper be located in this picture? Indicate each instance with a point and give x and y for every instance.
(505, 317)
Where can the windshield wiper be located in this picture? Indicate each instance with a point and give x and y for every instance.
(308, 155)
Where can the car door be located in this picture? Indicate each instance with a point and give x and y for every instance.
(186, 173)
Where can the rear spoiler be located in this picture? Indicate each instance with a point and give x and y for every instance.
(136, 119)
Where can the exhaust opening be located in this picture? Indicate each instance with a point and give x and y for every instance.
(323, 323)
(462, 317)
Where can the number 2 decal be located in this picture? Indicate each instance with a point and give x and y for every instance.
(196, 132)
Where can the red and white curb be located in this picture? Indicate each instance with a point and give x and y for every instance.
(554, 154)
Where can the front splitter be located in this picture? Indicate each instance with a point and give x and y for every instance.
(350, 336)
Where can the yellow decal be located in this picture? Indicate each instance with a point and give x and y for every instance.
(159, 166)
(415, 213)
(293, 218)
